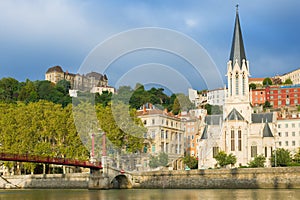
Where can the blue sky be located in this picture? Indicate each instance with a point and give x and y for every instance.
(37, 34)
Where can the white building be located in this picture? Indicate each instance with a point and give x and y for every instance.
(216, 97)
(197, 98)
(289, 133)
(238, 130)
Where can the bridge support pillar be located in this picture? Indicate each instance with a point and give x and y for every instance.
(97, 182)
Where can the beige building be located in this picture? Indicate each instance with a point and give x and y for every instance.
(293, 75)
(165, 133)
(80, 82)
(93, 81)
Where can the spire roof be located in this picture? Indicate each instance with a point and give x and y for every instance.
(237, 48)
(204, 134)
(267, 131)
(234, 115)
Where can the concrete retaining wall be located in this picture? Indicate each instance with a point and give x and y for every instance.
(221, 178)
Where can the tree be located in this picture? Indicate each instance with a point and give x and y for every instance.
(258, 161)
(121, 125)
(191, 162)
(157, 161)
(252, 86)
(104, 98)
(267, 81)
(231, 159)
(288, 82)
(28, 92)
(223, 159)
(9, 88)
(283, 157)
(213, 109)
(297, 156)
(267, 105)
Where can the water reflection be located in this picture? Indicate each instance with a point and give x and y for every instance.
(156, 194)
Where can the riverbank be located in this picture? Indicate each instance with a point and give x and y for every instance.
(255, 178)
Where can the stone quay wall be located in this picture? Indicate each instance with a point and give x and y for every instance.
(59, 181)
(287, 177)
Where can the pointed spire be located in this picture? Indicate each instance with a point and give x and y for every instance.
(237, 48)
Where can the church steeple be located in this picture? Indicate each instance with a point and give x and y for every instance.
(238, 67)
(237, 49)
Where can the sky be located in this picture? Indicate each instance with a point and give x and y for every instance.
(38, 34)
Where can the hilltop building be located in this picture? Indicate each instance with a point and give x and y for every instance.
(93, 81)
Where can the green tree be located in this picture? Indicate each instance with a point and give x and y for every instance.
(104, 98)
(157, 161)
(267, 105)
(283, 157)
(258, 161)
(213, 109)
(153, 162)
(267, 81)
(191, 162)
(223, 159)
(288, 82)
(28, 92)
(176, 107)
(9, 88)
(231, 159)
(121, 125)
(297, 156)
(252, 86)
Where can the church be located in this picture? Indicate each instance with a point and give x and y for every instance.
(238, 131)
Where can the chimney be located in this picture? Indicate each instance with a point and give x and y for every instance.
(144, 109)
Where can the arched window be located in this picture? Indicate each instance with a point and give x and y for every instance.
(239, 140)
(232, 141)
(236, 83)
(244, 84)
(230, 87)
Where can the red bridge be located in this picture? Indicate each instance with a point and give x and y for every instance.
(49, 160)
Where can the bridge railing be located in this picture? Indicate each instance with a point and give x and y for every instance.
(48, 160)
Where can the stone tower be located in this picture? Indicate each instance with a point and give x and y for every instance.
(237, 95)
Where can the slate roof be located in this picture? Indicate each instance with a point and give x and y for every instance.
(267, 131)
(204, 134)
(262, 117)
(234, 115)
(213, 119)
(237, 48)
(55, 69)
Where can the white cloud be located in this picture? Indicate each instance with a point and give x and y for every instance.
(191, 22)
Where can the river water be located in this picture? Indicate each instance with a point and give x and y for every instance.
(154, 194)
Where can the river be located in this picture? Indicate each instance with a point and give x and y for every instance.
(154, 194)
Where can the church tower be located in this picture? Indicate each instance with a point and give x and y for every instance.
(237, 95)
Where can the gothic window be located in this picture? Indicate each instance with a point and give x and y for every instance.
(253, 151)
(232, 141)
(266, 151)
(215, 151)
(237, 84)
(244, 84)
(239, 140)
(230, 88)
